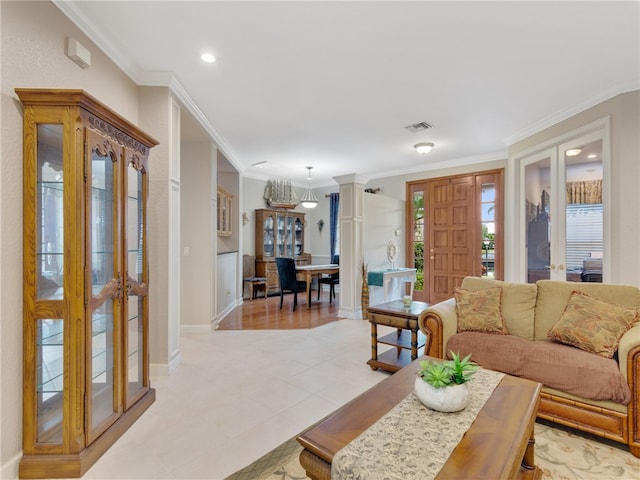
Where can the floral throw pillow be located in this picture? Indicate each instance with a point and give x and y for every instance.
(480, 310)
(593, 325)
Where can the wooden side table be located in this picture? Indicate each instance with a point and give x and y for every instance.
(408, 339)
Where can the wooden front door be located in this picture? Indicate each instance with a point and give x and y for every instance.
(452, 219)
(455, 226)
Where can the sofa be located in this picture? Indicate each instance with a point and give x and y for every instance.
(581, 341)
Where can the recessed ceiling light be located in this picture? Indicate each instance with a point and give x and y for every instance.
(207, 57)
(573, 152)
(592, 155)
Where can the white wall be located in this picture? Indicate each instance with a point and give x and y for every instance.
(383, 217)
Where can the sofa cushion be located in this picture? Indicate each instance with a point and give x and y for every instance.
(553, 297)
(555, 365)
(593, 325)
(518, 303)
(480, 311)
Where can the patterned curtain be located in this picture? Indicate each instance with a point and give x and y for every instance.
(334, 208)
(584, 192)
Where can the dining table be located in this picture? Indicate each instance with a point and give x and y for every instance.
(310, 271)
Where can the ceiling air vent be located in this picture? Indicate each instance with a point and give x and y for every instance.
(418, 127)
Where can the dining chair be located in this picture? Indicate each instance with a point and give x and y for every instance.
(332, 280)
(249, 276)
(288, 279)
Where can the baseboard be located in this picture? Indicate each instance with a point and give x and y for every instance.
(199, 328)
(9, 470)
(165, 369)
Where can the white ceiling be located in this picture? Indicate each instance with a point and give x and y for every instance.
(333, 84)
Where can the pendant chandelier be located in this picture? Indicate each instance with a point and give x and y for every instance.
(309, 199)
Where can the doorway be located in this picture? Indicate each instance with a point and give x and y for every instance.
(455, 230)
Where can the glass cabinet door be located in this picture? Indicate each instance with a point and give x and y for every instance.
(49, 258)
(299, 238)
(281, 233)
(288, 236)
(268, 236)
(136, 281)
(104, 284)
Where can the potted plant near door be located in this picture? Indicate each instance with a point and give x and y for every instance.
(443, 386)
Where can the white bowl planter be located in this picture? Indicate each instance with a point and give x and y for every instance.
(448, 399)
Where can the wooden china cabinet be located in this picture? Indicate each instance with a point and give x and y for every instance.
(86, 304)
(279, 233)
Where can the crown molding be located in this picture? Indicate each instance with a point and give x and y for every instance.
(427, 167)
(148, 79)
(562, 115)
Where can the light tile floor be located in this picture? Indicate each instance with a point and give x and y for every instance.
(237, 395)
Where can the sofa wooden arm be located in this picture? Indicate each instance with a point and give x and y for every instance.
(629, 349)
(628, 342)
(438, 322)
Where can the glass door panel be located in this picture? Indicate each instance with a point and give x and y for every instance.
(288, 236)
(537, 194)
(105, 287)
(49, 259)
(280, 220)
(136, 282)
(584, 227)
(49, 379)
(49, 221)
(299, 237)
(268, 236)
(563, 190)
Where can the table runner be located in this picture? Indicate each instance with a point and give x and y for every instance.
(411, 440)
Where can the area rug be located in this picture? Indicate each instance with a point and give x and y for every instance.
(561, 454)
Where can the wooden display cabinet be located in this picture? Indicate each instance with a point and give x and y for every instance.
(85, 287)
(279, 233)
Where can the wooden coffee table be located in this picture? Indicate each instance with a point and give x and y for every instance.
(499, 444)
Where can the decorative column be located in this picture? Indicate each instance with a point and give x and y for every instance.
(351, 243)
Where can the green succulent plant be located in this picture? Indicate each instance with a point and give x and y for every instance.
(451, 372)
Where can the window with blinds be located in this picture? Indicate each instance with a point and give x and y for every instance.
(584, 233)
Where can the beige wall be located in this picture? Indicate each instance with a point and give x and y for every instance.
(33, 44)
(197, 233)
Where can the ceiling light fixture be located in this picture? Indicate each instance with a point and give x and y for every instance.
(573, 152)
(207, 57)
(424, 147)
(309, 199)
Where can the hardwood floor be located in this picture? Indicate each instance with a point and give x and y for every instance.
(266, 314)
